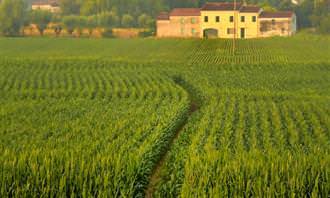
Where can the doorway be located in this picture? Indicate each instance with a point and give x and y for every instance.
(210, 33)
(242, 32)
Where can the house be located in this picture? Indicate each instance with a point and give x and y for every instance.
(49, 5)
(277, 24)
(180, 22)
(225, 20)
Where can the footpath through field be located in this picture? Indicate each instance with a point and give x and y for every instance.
(155, 176)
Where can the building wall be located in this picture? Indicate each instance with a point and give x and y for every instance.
(250, 27)
(188, 26)
(46, 7)
(185, 27)
(220, 26)
(277, 27)
(163, 28)
(177, 26)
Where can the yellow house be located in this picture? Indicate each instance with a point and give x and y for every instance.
(226, 20)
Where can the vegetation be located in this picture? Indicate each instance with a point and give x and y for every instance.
(79, 124)
(94, 117)
(142, 13)
(13, 16)
(41, 19)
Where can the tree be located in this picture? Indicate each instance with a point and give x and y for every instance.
(325, 25)
(91, 24)
(109, 19)
(70, 23)
(12, 17)
(57, 24)
(70, 7)
(145, 21)
(127, 21)
(267, 7)
(315, 20)
(80, 24)
(89, 7)
(41, 18)
(285, 5)
(303, 12)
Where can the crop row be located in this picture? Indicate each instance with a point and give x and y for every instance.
(175, 51)
(47, 80)
(56, 142)
(247, 146)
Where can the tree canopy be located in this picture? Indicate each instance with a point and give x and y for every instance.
(139, 13)
(12, 17)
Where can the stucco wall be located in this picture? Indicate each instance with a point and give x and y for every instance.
(188, 26)
(251, 28)
(178, 26)
(278, 27)
(163, 28)
(185, 26)
(47, 7)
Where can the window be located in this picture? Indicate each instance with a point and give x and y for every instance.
(231, 18)
(230, 30)
(283, 30)
(182, 31)
(217, 19)
(182, 20)
(193, 31)
(242, 18)
(254, 18)
(273, 21)
(193, 20)
(206, 19)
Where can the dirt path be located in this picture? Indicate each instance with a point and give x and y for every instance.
(155, 176)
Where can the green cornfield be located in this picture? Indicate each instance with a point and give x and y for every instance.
(165, 118)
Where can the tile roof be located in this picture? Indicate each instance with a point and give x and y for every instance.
(185, 12)
(221, 6)
(163, 16)
(250, 9)
(280, 14)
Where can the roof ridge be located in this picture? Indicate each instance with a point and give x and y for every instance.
(221, 6)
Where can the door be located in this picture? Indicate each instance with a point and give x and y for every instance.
(242, 32)
(210, 33)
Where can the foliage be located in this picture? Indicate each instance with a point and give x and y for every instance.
(89, 7)
(70, 7)
(127, 21)
(108, 19)
(141, 13)
(84, 138)
(41, 19)
(57, 25)
(69, 23)
(325, 24)
(81, 24)
(91, 23)
(92, 117)
(309, 13)
(72, 23)
(145, 21)
(12, 17)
